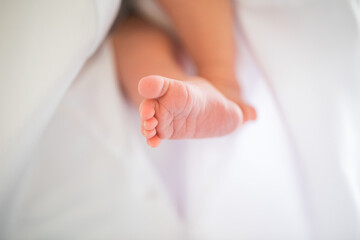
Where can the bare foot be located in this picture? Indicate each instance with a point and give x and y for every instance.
(175, 109)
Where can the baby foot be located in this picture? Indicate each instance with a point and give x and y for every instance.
(175, 109)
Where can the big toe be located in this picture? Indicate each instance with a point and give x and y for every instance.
(153, 86)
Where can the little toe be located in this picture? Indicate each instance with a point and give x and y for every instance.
(153, 86)
(150, 124)
(154, 141)
(147, 109)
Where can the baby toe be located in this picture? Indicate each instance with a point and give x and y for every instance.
(147, 109)
(154, 141)
(149, 133)
(150, 124)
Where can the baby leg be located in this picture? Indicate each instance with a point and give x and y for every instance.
(176, 105)
(206, 29)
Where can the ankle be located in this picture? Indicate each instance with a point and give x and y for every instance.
(218, 74)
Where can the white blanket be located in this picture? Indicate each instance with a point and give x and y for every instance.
(102, 177)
